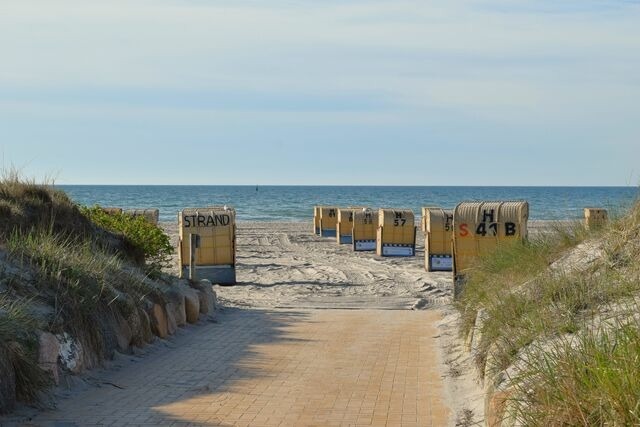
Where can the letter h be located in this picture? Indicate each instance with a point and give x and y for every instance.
(490, 214)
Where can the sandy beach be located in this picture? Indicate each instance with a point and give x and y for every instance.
(283, 265)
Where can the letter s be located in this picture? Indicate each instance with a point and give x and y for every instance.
(464, 230)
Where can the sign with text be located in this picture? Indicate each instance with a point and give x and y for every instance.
(328, 221)
(396, 233)
(479, 227)
(215, 228)
(438, 239)
(365, 229)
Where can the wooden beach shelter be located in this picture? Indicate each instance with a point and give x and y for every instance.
(396, 234)
(479, 227)
(423, 219)
(438, 239)
(316, 220)
(328, 221)
(595, 217)
(344, 228)
(151, 215)
(365, 229)
(207, 244)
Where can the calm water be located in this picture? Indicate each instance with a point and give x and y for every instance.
(295, 203)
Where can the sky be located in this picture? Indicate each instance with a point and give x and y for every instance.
(402, 92)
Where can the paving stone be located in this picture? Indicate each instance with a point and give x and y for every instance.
(280, 368)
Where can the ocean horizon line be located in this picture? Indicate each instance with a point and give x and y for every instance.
(347, 185)
(287, 202)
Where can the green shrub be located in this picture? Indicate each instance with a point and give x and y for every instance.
(145, 236)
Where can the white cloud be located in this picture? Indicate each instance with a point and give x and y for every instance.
(415, 54)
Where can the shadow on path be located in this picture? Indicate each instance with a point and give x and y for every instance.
(204, 360)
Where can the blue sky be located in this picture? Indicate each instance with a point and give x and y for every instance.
(468, 92)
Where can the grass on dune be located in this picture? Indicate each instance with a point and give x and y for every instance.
(568, 331)
(19, 342)
(590, 379)
(26, 205)
(81, 275)
(89, 272)
(496, 275)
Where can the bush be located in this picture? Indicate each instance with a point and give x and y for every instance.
(143, 235)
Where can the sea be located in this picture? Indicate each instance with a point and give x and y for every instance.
(295, 203)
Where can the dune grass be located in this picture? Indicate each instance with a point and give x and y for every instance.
(495, 276)
(25, 205)
(589, 379)
(81, 276)
(85, 271)
(567, 331)
(19, 341)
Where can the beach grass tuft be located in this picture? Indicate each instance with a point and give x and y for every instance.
(590, 378)
(26, 205)
(18, 341)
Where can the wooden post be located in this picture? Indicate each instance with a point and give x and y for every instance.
(194, 243)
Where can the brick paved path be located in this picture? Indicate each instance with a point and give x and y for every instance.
(276, 368)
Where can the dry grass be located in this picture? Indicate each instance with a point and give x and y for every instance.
(78, 277)
(26, 205)
(18, 338)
